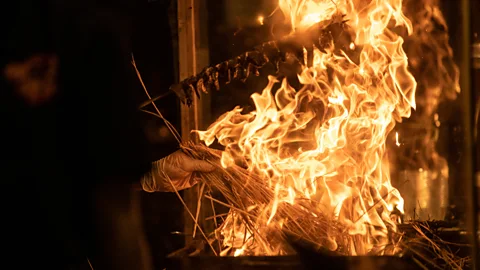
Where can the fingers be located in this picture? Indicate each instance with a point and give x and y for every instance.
(186, 163)
(151, 183)
(195, 165)
(177, 170)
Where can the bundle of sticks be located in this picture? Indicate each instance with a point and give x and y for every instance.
(247, 195)
(302, 224)
(286, 56)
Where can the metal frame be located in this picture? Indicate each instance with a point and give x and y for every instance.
(469, 143)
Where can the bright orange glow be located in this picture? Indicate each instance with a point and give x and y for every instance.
(260, 20)
(326, 142)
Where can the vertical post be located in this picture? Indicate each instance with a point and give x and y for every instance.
(193, 56)
(468, 123)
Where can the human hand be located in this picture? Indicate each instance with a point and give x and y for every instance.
(177, 167)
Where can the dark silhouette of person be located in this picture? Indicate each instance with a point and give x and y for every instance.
(72, 145)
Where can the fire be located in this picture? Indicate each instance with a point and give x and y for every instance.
(260, 19)
(326, 142)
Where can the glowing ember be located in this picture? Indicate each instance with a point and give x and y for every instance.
(325, 144)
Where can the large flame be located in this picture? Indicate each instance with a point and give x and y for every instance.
(326, 142)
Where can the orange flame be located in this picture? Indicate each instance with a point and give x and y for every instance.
(326, 142)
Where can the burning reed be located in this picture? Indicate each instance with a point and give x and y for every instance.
(301, 223)
(247, 195)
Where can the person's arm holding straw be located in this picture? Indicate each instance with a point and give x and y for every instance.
(179, 167)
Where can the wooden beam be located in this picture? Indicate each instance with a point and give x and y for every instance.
(193, 56)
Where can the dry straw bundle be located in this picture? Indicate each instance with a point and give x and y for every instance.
(247, 195)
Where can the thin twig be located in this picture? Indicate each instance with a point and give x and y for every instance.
(199, 204)
(216, 216)
(152, 113)
(229, 206)
(178, 138)
(169, 125)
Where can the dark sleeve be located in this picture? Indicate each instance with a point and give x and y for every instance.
(89, 132)
(97, 104)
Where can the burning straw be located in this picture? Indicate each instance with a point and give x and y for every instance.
(248, 196)
(429, 250)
